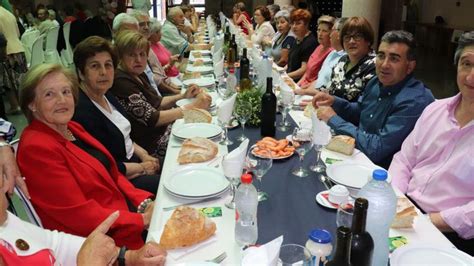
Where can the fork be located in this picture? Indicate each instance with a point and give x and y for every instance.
(219, 258)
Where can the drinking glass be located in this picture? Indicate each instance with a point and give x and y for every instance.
(234, 182)
(301, 140)
(225, 136)
(243, 112)
(344, 214)
(321, 138)
(293, 254)
(287, 97)
(318, 166)
(259, 166)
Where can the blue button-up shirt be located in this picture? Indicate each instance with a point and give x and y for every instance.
(384, 117)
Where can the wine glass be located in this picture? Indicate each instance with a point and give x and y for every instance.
(234, 182)
(321, 138)
(301, 140)
(243, 111)
(259, 164)
(287, 97)
(345, 211)
(293, 254)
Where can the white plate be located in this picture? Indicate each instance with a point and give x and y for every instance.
(200, 69)
(274, 158)
(325, 203)
(183, 102)
(351, 175)
(199, 197)
(198, 181)
(429, 254)
(191, 130)
(204, 59)
(201, 82)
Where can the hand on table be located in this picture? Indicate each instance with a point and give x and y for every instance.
(325, 113)
(192, 91)
(322, 99)
(202, 101)
(99, 248)
(149, 254)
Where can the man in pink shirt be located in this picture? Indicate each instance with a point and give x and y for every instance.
(435, 166)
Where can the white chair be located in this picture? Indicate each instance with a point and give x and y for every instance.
(66, 54)
(51, 54)
(37, 52)
(219, 68)
(27, 39)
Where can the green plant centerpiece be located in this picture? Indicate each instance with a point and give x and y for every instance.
(254, 96)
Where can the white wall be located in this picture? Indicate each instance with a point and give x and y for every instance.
(453, 15)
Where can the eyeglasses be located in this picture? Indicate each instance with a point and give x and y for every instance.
(356, 37)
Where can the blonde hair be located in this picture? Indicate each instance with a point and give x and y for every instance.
(128, 41)
(34, 77)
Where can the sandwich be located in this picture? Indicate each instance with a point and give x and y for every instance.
(342, 144)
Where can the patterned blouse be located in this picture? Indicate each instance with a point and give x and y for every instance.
(350, 84)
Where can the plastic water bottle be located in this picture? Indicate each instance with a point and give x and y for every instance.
(265, 70)
(382, 209)
(246, 203)
(231, 82)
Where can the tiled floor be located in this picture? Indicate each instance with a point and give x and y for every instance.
(436, 72)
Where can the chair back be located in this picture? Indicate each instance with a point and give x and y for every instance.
(52, 38)
(37, 52)
(68, 54)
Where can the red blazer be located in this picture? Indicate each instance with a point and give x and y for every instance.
(72, 191)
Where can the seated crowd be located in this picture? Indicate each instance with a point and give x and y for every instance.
(98, 137)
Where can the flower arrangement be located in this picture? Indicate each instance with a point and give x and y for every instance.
(254, 96)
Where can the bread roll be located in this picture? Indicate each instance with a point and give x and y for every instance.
(186, 227)
(196, 115)
(343, 144)
(198, 62)
(197, 150)
(191, 75)
(406, 213)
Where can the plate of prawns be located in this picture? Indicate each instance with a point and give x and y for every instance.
(280, 149)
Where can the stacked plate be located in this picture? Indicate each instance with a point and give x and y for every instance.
(204, 82)
(199, 182)
(200, 69)
(183, 102)
(429, 254)
(192, 130)
(351, 175)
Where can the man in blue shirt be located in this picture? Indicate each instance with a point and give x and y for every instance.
(387, 110)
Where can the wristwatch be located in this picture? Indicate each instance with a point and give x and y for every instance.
(121, 256)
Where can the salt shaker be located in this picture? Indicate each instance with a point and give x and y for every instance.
(319, 244)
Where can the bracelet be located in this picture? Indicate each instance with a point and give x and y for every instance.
(142, 207)
(121, 256)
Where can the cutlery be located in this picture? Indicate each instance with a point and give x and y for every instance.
(189, 203)
(219, 258)
(325, 181)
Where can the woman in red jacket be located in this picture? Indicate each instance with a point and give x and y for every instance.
(73, 180)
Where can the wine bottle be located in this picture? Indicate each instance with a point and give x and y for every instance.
(362, 245)
(342, 255)
(245, 82)
(231, 52)
(233, 44)
(268, 112)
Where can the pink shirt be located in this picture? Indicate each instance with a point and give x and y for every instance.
(435, 166)
(164, 56)
(314, 65)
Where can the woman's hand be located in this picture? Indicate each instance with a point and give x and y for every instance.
(203, 101)
(192, 91)
(174, 59)
(147, 214)
(150, 254)
(248, 25)
(150, 167)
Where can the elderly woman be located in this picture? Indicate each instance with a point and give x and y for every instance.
(240, 17)
(434, 166)
(354, 70)
(167, 60)
(263, 33)
(324, 75)
(72, 178)
(274, 9)
(99, 112)
(317, 58)
(304, 45)
(283, 39)
(52, 247)
(150, 114)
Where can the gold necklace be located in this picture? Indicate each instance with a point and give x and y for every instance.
(69, 135)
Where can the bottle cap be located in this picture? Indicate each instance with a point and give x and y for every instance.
(379, 175)
(231, 70)
(246, 178)
(362, 203)
(320, 236)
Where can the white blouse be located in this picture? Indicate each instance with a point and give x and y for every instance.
(262, 31)
(121, 123)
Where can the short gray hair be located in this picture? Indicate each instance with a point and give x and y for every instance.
(339, 23)
(155, 26)
(136, 13)
(282, 14)
(401, 36)
(172, 12)
(274, 9)
(52, 14)
(121, 19)
(466, 39)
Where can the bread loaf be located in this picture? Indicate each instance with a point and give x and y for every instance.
(198, 62)
(186, 227)
(406, 213)
(343, 144)
(196, 115)
(308, 110)
(197, 150)
(191, 75)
